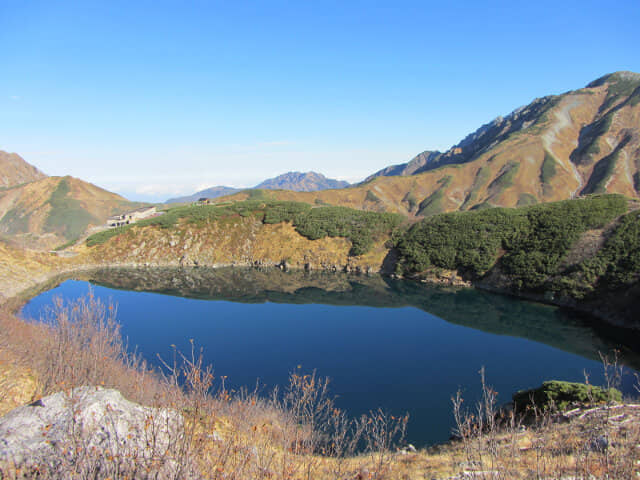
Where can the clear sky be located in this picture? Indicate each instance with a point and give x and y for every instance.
(157, 98)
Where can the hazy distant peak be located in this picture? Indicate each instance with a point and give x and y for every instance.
(211, 192)
(295, 181)
(302, 182)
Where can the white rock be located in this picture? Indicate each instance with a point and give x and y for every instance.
(92, 429)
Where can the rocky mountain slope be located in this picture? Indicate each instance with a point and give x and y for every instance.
(557, 147)
(420, 163)
(15, 171)
(295, 181)
(53, 210)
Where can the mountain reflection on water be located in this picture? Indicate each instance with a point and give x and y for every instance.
(400, 345)
(481, 310)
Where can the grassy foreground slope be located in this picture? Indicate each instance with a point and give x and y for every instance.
(297, 435)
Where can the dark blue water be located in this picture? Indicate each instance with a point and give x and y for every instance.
(402, 359)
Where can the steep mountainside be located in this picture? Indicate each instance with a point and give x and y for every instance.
(294, 181)
(15, 171)
(51, 211)
(420, 163)
(558, 147)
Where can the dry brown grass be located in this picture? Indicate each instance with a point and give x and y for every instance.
(601, 441)
(294, 434)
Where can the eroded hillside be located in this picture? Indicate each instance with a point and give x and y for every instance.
(49, 212)
(558, 147)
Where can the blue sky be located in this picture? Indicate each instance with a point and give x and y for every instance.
(157, 98)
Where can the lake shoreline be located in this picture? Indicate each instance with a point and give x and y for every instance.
(13, 295)
(364, 332)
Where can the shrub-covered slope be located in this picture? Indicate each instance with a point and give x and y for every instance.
(583, 252)
(539, 250)
(252, 233)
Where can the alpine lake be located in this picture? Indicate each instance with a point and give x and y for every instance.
(384, 343)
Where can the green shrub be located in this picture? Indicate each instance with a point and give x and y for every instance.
(532, 240)
(371, 197)
(358, 226)
(548, 170)
(562, 396)
(432, 204)
(257, 194)
(14, 221)
(66, 245)
(466, 241)
(615, 266)
(285, 211)
(505, 179)
(101, 237)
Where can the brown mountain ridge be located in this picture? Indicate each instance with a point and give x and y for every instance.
(557, 147)
(50, 211)
(15, 171)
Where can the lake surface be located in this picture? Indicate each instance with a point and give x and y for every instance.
(398, 345)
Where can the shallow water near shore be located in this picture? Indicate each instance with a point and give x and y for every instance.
(398, 345)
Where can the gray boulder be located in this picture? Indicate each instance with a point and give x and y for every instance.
(93, 432)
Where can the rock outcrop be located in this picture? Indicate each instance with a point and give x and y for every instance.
(92, 432)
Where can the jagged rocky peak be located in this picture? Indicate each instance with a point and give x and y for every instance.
(420, 161)
(417, 164)
(501, 127)
(476, 143)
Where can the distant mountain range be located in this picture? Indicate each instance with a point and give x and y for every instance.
(558, 147)
(302, 182)
(294, 181)
(212, 192)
